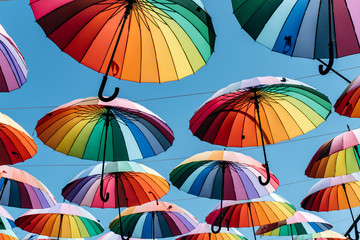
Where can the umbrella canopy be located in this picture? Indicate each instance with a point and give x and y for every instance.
(202, 175)
(36, 236)
(309, 29)
(298, 224)
(260, 111)
(256, 212)
(62, 221)
(128, 184)
(326, 235)
(136, 40)
(338, 156)
(155, 220)
(16, 145)
(203, 232)
(13, 70)
(7, 234)
(348, 102)
(80, 128)
(22, 190)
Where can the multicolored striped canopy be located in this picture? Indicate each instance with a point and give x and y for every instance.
(301, 28)
(162, 40)
(202, 175)
(348, 102)
(268, 209)
(326, 235)
(298, 224)
(22, 190)
(30, 236)
(203, 232)
(165, 219)
(79, 129)
(328, 194)
(338, 156)
(62, 220)
(137, 184)
(288, 108)
(16, 145)
(13, 70)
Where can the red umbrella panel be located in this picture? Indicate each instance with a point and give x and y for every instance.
(348, 103)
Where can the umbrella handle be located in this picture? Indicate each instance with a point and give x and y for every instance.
(101, 91)
(267, 175)
(106, 198)
(213, 226)
(331, 61)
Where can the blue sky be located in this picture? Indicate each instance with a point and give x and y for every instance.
(55, 78)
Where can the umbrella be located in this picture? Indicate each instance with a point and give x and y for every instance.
(298, 224)
(119, 130)
(259, 111)
(335, 193)
(20, 189)
(136, 40)
(308, 29)
(135, 183)
(16, 145)
(62, 221)
(203, 232)
(326, 235)
(13, 70)
(338, 156)
(7, 234)
(255, 212)
(155, 220)
(347, 103)
(223, 175)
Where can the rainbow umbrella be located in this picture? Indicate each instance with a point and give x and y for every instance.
(260, 111)
(223, 175)
(338, 156)
(22, 190)
(335, 193)
(203, 232)
(308, 29)
(136, 40)
(155, 220)
(131, 184)
(13, 70)
(326, 235)
(347, 103)
(62, 221)
(255, 212)
(16, 145)
(119, 130)
(298, 224)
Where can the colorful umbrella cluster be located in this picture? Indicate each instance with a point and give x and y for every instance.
(13, 70)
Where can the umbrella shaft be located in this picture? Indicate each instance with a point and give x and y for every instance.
(252, 222)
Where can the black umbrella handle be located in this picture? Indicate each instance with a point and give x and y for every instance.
(101, 91)
(331, 61)
(267, 176)
(221, 218)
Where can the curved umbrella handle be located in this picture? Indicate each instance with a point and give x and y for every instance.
(267, 176)
(213, 226)
(331, 61)
(101, 91)
(106, 198)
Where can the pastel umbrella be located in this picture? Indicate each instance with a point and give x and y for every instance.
(129, 183)
(155, 220)
(13, 70)
(62, 221)
(119, 130)
(260, 111)
(338, 156)
(335, 193)
(348, 102)
(223, 175)
(255, 212)
(326, 235)
(203, 232)
(16, 145)
(307, 29)
(20, 189)
(136, 40)
(298, 224)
